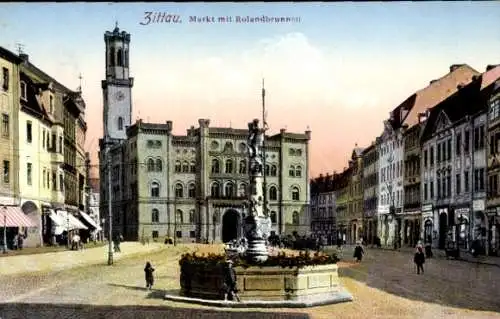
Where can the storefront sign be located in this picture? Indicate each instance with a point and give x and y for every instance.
(478, 205)
(462, 210)
(427, 208)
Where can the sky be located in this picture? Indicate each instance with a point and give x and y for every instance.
(338, 71)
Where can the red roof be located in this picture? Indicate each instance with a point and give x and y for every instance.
(490, 76)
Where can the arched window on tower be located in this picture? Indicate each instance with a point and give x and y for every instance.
(125, 58)
(273, 193)
(274, 218)
(151, 165)
(112, 56)
(215, 190)
(120, 123)
(119, 57)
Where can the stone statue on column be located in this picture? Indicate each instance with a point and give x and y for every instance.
(257, 224)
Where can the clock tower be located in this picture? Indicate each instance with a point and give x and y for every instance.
(117, 88)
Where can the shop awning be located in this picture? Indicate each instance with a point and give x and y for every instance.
(89, 220)
(13, 216)
(66, 221)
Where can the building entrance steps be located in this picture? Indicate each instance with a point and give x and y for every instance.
(56, 261)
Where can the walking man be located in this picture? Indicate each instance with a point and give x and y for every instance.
(230, 288)
(419, 259)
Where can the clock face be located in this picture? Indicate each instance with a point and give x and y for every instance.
(119, 96)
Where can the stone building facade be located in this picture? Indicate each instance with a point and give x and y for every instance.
(370, 191)
(355, 203)
(189, 186)
(343, 187)
(323, 207)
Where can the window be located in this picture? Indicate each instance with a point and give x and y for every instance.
(291, 171)
(229, 190)
(466, 181)
(179, 190)
(120, 123)
(24, 95)
(5, 83)
(192, 191)
(458, 183)
(481, 179)
(154, 234)
(466, 141)
(178, 234)
(273, 217)
(267, 170)
(177, 166)
(273, 193)
(458, 145)
(125, 58)
(29, 133)
(439, 153)
(192, 167)
(185, 167)
(229, 166)
(425, 192)
(44, 177)
(54, 143)
(112, 57)
(159, 165)
(295, 218)
(151, 165)
(431, 189)
(6, 172)
(493, 185)
(431, 160)
(242, 191)
(29, 173)
(215, 190)
(295, 193)
(476, 138)
(119, 57)
(179, 217)
(191, 216)
(298, 171)
(273, 170)
(61, 182)
(155, 215)
(495, 109)
(5, 125)
(215, 166)
(44, 146)
(192, 234)
(243, 167)
(54, 181)
(449, 150)
(425, 158)
(51, 104)
(155, 189)
(448, 182)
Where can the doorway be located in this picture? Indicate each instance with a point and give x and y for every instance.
(443, 229)
(230, 225)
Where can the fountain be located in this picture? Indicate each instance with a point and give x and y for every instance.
(262, 280)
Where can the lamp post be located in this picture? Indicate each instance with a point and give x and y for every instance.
(4, 248)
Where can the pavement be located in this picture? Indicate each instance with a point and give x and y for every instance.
(56, 261)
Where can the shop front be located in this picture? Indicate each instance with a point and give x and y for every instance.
(410, 232)
(493, 231)
(429, 234)
(462, 226)
(479, 225)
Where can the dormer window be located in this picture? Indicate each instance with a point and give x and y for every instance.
(51, 105)
(23, 88)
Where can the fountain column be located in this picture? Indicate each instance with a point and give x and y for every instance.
(257, 223)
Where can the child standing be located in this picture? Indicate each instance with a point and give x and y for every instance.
(419, 259)
(148, 270)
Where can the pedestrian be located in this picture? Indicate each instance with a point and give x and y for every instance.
(20, 241)
(14, 242)
(148, 271)
(230, 288)
(117, 243)
(419, 259)
(358, 252)
(428, 247)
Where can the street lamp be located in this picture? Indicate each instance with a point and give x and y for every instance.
(4, 248)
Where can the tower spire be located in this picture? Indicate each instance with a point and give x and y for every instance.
(80, 84)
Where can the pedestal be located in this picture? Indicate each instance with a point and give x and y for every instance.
(257, 230)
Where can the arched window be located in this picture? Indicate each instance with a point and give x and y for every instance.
(274, 217)
(229, 189)
(191, 216)
(295, 193)
(179, 190)
(191, 190)
(155, 215)
(155, 189)
(229, 166)
(268, 170)
(291, 171)
(151, 165)
(192, 167)
(215, 166)
(179, 218)
(295, 218)
(112, 57)
(215, 190)
(243, 167)
(125, 58)
(120, 123)
(119, 57)
(273, 193)
(242, 190)
(185, 167)
(177, 166)
(298, 171)
(428, 231)
(159, 165)
(274, 170)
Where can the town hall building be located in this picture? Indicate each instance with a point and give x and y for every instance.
(191, 186)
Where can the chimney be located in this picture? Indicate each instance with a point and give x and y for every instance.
(24, 57)
(432, 81)
(491, 66)
(453, 67)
